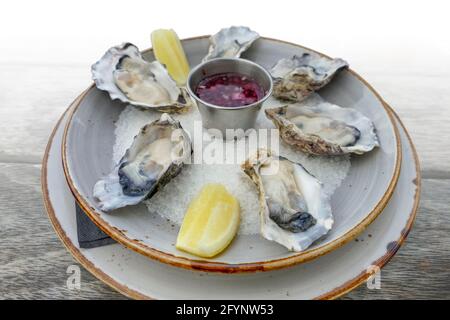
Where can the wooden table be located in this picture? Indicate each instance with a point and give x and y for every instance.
(33, 262)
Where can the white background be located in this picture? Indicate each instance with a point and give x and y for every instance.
(405, 36)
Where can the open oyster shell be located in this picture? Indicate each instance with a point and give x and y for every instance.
(321, 128)
(126, 76)
(294, 210)
(230, 42)
(156, 155)
(298, 77)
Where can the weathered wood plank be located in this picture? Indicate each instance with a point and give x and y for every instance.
(421, 268)
(29, 111)
(423, 104)
(33, 262)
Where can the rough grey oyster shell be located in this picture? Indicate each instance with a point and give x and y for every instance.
(296, 78)
(294, 209)
(230, 42)
(322, 128)
(157, 155)
(126, 76)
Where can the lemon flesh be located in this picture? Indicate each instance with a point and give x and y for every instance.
(168, 51)
(210, 223)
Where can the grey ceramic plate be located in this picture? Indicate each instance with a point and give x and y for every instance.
(326, 277)
(87, 156)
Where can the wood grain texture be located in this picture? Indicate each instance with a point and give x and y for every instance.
(423, 104)
(421, 268)
(33, 262)
(26, 120)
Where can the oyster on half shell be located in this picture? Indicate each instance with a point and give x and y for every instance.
(322, 128)
(298, 77)
(156, 155)
(294, 210)
(230, 42)
(126, 76)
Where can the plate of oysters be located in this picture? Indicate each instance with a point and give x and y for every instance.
(229, 153)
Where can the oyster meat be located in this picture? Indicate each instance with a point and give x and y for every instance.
(126, 76)
(230, 42)
(321, 128)
(294, 210)
(156, 155)
(295, 78)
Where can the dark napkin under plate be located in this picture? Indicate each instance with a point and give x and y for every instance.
(89, 235)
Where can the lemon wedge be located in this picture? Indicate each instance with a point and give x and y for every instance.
(168, 51)
(210, 223)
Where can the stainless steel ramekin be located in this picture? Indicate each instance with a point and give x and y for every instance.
(222, 118)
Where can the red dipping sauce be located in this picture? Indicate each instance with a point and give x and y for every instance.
(229, 90)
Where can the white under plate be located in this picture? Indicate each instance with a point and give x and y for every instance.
(326, 277)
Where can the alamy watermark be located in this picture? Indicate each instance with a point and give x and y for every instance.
(73, 281)
(234, 146)
(374, 280)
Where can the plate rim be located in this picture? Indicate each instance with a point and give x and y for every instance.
(223, 267)
(123, 289)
